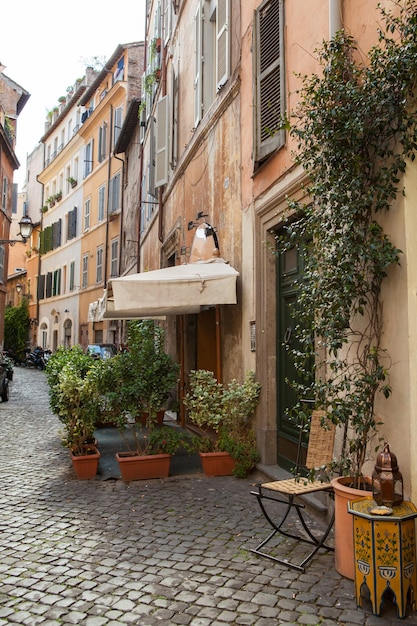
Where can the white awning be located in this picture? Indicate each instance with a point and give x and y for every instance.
(177, 290)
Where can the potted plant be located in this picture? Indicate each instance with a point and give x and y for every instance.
(58, 196)
(72, 181)
(51, 201)
(136, 385)
(224, 414)
(74, 396)
(355, 131)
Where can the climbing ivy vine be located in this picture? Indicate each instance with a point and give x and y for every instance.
(355, 129)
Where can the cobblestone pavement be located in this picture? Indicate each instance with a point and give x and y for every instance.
(172, 551)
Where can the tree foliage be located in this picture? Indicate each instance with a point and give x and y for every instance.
(16, 329)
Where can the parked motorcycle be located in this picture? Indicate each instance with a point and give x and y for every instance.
(36, 358)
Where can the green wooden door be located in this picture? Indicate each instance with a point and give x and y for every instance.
(289, 273)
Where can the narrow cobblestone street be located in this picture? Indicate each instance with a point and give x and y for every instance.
(175, 551)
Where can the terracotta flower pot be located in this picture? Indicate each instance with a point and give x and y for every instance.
(137, 467)
(86, 466)
(343, 525)
(217, 463)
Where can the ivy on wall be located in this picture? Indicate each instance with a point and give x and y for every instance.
(355, 130)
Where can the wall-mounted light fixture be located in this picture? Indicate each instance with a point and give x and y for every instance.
(21, 292)
(26, 227)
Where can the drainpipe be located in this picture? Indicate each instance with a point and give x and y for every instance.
(121, 209)
(108, 198)
(335, 17)
(138, 247)
(39, 253)
(163, 93)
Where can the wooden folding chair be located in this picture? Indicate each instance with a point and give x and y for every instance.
(319, 454)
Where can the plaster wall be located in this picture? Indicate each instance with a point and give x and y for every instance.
(264, 202)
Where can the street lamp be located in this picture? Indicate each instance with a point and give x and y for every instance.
(19, 291)
(26, 227)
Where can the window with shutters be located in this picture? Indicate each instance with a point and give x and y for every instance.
(161, 141)
(101, 202)
(56, 234)
(72, 224)
(114, 193)
(99, 264)
(41, 287)
(102, 142)
(48, 285)
(56, 286)
(151, 160)
(212, 53)
(4, 194)
(46, 239)
(118, 122)
(114, 261)
(88, 158)
(72, 276)
(84, 277)
(87, 207)
(269, 78)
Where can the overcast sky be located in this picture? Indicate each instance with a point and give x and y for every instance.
(46, 46)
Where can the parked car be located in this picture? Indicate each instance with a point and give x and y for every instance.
(4, 382)
(101, 350)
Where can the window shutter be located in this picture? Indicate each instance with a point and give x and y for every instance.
(72, 223)
(56, 234)
(222, 43)
(162, 142)
(117, 123)
(198, 71)
(48, 238)
(151, 163)
(57, 283)
(48, 290)
(42, 242)
(167, 20)
(41, 287)
(269, 78)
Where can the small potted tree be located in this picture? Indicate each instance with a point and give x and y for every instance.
(74, 396)
(224, 414)
(136, 386)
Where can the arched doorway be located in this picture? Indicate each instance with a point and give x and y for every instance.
(68, 333)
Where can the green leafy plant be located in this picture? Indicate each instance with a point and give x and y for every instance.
(225, 415)
(139, 381)
(169, 439)
(355, 129)
(16, 328)
(74, 394)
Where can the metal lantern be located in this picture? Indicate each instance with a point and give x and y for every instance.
(387, 480)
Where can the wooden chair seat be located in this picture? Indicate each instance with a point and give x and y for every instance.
(286, 492)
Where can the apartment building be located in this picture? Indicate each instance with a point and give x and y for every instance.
(81, 207)
(13, 98)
